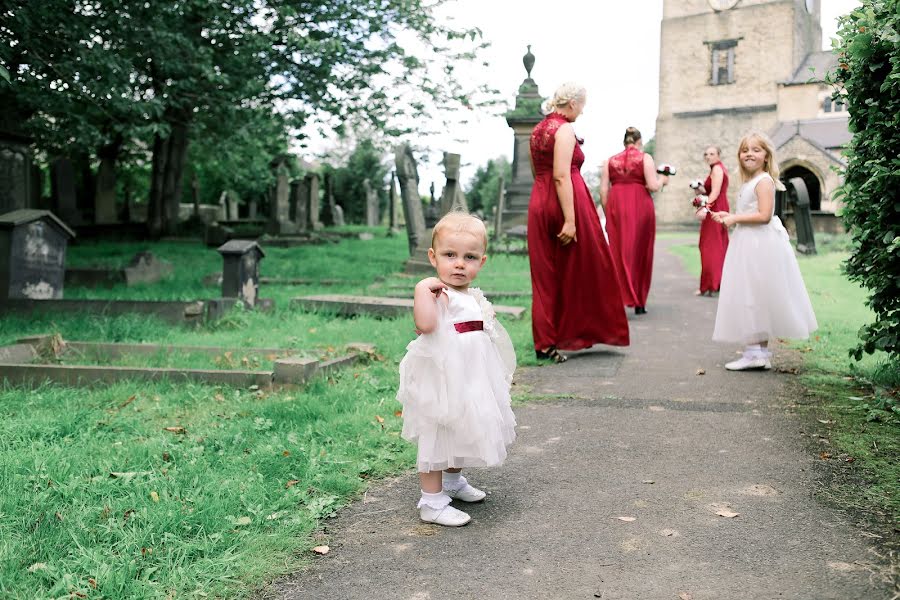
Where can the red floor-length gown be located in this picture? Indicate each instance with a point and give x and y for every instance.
(631, 225)
(575, 302)
(713, 237)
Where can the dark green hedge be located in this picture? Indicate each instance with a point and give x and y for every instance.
(869, 74)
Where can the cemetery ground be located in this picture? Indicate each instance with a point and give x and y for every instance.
(172, 489)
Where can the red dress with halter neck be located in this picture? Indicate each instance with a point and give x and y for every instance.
(631, 225)
(713, 237)
(575, 302)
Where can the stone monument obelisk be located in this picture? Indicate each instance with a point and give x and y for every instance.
(522, 120)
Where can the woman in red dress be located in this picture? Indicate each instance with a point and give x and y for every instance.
(625, 186)
(713, 239)
(575, 302)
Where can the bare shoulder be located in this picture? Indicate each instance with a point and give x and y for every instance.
(765, 184)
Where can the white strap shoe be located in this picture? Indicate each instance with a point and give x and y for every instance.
(466, 493)
(744, 364)
(447, 516)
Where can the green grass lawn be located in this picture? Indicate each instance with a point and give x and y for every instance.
(150, 490)
(856, 400)
(101, 499)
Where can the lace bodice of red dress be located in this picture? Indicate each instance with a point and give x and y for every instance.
(627, 167)
(543, 138)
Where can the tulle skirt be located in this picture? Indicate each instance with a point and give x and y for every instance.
(762, 295)
(454, 388)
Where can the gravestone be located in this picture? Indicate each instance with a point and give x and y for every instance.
(452, 197)
(371, 203)
(392, 200)
(333, 215)
(280, 210)
(498, 210)
(300, 203)
(32, 254)
(338, 215)
(15, 172)
(240, 272)
(62, 185)
(408, 178)
(144, 267)
(251, 209)
(313, 210)
(105, 193)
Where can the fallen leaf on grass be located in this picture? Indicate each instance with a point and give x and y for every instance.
(398, 413)
(129, 401)
(179, 430)
(824, 421)
(379, 419)
(274, 516)
(58, 516)
(701, 371)
(38, 566)
(219, 398)
(243, 521)
(825, 455)
(626, 519)
(727, 514)
(92, 582)
(154, 496)
(286, 453)
(321, 550)
(291, 483)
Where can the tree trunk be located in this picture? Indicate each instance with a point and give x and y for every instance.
(169, 159)
(105, 209)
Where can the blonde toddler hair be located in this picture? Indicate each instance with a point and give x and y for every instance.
(564, 94)
(456, 221)
(769, 166)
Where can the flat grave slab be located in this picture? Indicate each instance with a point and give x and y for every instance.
(376, 305)
(17, 366)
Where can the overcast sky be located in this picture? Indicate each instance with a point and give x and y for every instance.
(612, 48)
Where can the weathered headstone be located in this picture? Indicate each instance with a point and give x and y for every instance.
(313, 210)
(408, 178)
(105, 193)
(144, 267)
(498, 210)
(15, 172)
(452, 198)
(280, 210)
(32, 254)
(62, 184)
(333, 215)
(392, 195)
(337, 212)
(240, 273)
(300, 203)
(372, 216)
(233, 203)
(223, 207)
(251, 209)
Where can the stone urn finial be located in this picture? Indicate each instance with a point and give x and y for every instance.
(528, 61)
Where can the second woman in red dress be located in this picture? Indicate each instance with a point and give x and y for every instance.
(625, 186)
(576, 297)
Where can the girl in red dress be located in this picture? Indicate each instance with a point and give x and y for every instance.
(625, 186)
(575, 301)
(713, 238)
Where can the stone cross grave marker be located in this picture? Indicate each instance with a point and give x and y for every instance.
(408, 178)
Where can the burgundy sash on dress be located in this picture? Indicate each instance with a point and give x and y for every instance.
(467, 326)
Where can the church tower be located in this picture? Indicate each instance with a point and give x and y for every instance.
(721, 62)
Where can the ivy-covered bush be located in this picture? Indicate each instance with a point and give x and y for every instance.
(868, 72)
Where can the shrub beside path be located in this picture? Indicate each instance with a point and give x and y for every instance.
(637, 479)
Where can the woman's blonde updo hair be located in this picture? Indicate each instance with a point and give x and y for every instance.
(564, 94)
(632, 136)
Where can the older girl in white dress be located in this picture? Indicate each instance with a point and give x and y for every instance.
(456, 376)
(762, 294)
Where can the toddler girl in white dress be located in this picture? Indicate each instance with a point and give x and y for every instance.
(762, 295)
(455, 377)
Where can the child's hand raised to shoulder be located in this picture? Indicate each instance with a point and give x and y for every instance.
(428, 293)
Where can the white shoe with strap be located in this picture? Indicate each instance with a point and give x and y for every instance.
(461, 490)
(447, 516)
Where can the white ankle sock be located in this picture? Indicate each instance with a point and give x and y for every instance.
(453, 481)
(436, 501)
